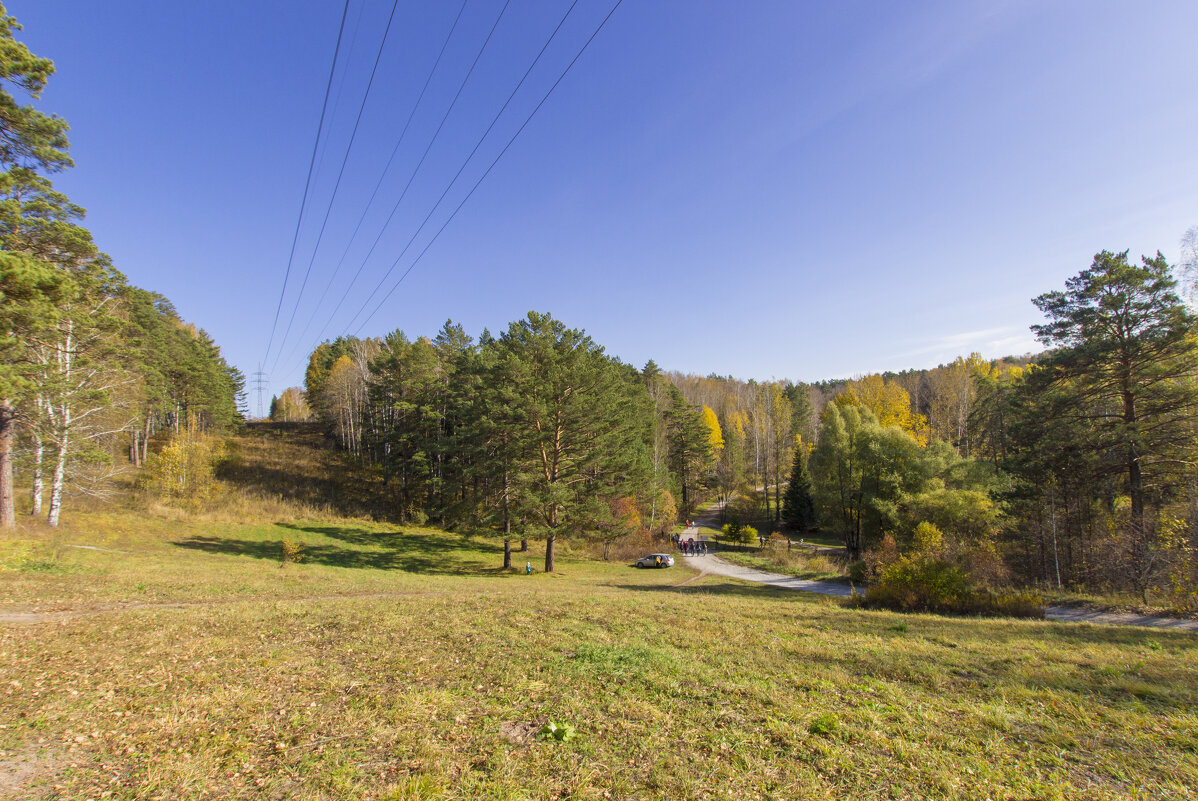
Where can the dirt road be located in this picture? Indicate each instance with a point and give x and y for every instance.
(712, 564)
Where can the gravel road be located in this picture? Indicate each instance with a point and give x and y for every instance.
(712, 564)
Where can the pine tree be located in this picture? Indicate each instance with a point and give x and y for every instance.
(1124, 374)
(576, 417)
(30, 288)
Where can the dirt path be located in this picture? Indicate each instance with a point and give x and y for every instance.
(713, 565)
(52, 616)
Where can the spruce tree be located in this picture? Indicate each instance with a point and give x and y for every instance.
(799, 510)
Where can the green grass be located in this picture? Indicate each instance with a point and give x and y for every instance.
(397, 662)
(185, 661)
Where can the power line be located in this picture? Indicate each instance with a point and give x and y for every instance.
(452, 181)
(337, 184)
(465, 163)
(378, 185)
(308, 182)
(420, 163)
(481, 178)
(339, 95)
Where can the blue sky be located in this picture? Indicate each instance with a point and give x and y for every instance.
(765, 189)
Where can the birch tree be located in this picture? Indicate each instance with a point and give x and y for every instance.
(30, 141)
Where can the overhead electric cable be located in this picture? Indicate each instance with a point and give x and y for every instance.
(465, 163)
(308, 182)
(452, 181)
(337, 185)
(431, 142)
(339, 93)
(382, 176)
(488, 171)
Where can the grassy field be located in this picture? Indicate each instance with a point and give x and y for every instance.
(399, 663)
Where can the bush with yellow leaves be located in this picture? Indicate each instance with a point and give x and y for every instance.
(184, 471)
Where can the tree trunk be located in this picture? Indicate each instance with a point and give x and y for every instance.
(549, 553)
(507, 530)
(523, 545)
(56, 480)
(38, 482)
(145, 441)
(8, 517)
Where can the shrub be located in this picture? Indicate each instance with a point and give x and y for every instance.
(292, 551)
(877, 559)
(184, 471)
(928, 580)
(919, 583)
(858, 571)
(736, 533)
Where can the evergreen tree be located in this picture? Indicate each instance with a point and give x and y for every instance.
(690, 448)
(30, 288)
(576, 418)
(1122, 378)
(799, 508)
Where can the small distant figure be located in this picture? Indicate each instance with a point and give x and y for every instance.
(704, 548)
(527, 568)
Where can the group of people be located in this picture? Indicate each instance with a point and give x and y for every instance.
(691, 547)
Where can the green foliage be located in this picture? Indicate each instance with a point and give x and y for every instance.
(738, 533)
(183, 374)
(825, 725)
(691, 457)
(556, 731)
(31, 138)
(927, 580)
(870, 479)
(799, 508)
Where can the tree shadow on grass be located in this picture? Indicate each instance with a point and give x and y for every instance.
(759, 591)
(425, 553)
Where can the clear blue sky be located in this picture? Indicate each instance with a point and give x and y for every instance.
(767, 189)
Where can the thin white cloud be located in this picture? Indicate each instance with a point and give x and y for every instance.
(990, 342)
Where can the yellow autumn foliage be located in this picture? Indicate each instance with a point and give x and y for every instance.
(889, 402)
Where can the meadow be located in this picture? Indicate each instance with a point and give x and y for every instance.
(186, 661)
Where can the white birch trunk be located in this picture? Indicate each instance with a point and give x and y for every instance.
(38, 480)
(56, 480)
(62, 428)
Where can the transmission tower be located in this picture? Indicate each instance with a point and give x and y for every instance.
(259, 382)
